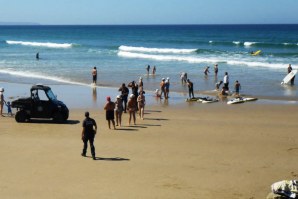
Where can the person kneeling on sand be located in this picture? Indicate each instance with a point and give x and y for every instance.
(109, 107)
(88, 134)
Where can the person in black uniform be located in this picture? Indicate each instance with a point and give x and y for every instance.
(124, 94)
(88, 134)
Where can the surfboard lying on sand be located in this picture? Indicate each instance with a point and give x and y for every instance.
(239, 100)
(206, 100)
(289, 76)
(256, 53)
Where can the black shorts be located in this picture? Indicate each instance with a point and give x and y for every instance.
(110, 115)
(94, 77)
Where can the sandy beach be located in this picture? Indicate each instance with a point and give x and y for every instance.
(188, 150)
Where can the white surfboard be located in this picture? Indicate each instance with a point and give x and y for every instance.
(236, 101)
(289, 76)
(249, 99)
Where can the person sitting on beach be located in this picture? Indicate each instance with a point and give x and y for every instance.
(9, 111)
(118, 110)
(94, 75)
(141, 104)
(2, 101)
(206, 71)
(237, 87)
(132, 108)
(217, 85)
(109, 107)
(190, 89)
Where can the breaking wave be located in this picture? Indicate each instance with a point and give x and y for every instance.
(156, 50)
(41, 44)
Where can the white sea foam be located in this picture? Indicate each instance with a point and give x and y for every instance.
(236, 42)
(41, 44)
(156, 50)
(210, 42)
(189, 59)
(192, 59)
(249, 43)
(34, 75)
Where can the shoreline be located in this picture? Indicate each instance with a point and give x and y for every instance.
(95, 97)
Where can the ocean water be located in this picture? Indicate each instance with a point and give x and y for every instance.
(121, 54)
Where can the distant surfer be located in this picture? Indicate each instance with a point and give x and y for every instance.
(37, 56)
(289, 71)
(94, 75)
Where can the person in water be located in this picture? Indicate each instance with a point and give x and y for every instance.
(37, 56)
(289, 71)
(237, 87)
(94, 75)
(206, 71)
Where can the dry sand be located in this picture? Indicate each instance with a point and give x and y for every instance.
(193, 151)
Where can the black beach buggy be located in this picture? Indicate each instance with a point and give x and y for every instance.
(41, 104)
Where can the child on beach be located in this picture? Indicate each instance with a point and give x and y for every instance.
(237, 87)
(109, 107)
(9, 111)
(141, 104)
(118, 110)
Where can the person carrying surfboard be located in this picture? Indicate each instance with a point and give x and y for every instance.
(289, 71)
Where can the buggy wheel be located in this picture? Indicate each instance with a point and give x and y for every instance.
(21, 116)
(58, 117)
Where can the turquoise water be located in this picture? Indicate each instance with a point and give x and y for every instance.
(121, 53)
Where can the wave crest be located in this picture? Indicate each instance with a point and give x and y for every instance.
(41, 44)
(156, 50)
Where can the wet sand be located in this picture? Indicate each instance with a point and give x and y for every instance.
(187, 150)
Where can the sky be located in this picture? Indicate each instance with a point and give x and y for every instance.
(122, 12)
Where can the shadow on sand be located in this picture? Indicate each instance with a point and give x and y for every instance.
(110, 159)
(47, 121)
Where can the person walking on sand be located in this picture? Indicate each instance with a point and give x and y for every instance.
(162, 87)
(88, 134)
(226, 81)
(167, 87)
(2, 101)
(124, 95)
(153, 70)
(215, 69)
(118, 110)
(237, 87)
(132, 108)
(94, 75)
(290, 70)
(109, 107)
(190, 89)
(141, 104)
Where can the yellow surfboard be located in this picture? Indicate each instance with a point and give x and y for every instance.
(256, 53)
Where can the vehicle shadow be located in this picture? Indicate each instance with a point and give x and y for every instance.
(46, 121)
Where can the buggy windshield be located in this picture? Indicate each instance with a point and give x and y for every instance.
(51, 95)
